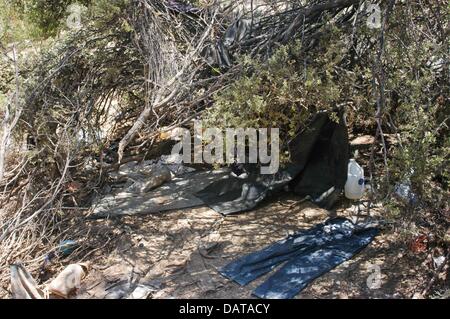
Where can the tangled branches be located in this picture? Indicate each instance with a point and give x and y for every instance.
(100, 96)
(104, 92)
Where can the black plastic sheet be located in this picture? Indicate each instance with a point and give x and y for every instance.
(233, 195)
(318, 171)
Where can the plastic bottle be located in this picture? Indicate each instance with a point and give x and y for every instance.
(68, 280)
(354, 186)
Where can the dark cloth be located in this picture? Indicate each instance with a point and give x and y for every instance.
(232, 195)
(322, 153)
(319, 154)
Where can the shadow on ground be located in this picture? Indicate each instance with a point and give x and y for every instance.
(176, 255)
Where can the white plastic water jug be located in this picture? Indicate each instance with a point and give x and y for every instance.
(354, 186)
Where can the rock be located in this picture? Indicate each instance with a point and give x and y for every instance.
(127, 168)
(362, 141)
(310, 214)
(174, 134)
(171, 159)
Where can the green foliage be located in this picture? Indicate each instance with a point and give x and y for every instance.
(47, 15)
(13, 26)
(423, 156)
(336, 69)
(418, 112)
(279, 93)
(38, 19)
(422, 116)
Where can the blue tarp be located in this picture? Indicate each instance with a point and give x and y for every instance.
(307, 255)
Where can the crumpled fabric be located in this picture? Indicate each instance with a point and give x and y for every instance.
(218, 53)
(23, 285)
(233, 195)
(306, 255)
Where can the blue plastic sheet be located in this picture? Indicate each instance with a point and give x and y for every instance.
(307, 255)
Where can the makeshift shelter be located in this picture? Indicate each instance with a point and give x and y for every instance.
(321, 152)
(318, 171)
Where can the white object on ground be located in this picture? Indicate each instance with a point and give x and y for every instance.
(438, 261)
(354, 186)
(68, 280)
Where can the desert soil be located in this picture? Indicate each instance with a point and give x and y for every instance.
(177, 254)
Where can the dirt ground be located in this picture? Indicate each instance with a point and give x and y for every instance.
(177, 254)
